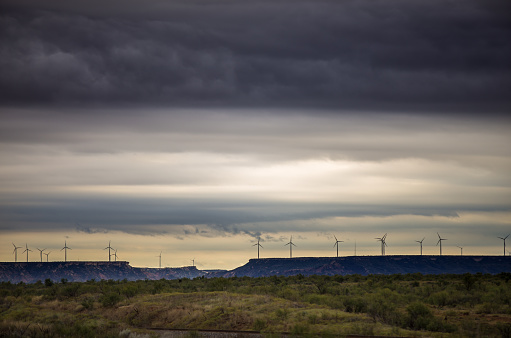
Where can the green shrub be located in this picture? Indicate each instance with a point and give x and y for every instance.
(88, 303)
(110, 299)
(419, 316)
(282, 314)
(355, 304)
(300, 330)
(383, 309)
(259, 324)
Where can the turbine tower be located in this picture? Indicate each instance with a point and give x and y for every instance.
(65, 250)
(337, 244)
(422, 240)
(47, 254)
(460, 249)
(258, 246)
(26, 250)
(160, 258)
(290, 247)
(440, 239)
(15, 252)
(383, 243)
(41, 253)
(504, 239)
(109, 247)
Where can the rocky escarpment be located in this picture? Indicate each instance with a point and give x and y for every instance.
(31, 272)
(365, 265)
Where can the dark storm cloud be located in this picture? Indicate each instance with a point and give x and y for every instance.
(425, 55)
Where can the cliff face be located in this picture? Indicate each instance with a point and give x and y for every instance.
(31, 272)
(82, 271)
(365, 265)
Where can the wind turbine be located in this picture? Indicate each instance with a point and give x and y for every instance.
(461, 250)
(440, 239)
(16, 252)
(47, 254)
(290, 247)
(65, 250)
(27, 250)
(160, 258)
(504, 239)
(258, 246)
(383, 244)
(41, 253)
(337, 243)
(109, 247)
(422, 240)
(115, 255)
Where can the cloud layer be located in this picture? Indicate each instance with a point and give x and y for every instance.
(229, 170)
(420, 55)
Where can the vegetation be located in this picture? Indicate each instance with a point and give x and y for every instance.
(396, 305)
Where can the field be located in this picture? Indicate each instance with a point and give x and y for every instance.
(394, 305)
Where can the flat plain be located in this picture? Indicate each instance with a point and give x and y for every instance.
(385, 305)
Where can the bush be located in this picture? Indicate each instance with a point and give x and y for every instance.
(300, 329)
(88, 303)
(259, 324)
(381, 308)
(282, 314)
(110, 299)
(355, 304)
(419, 316)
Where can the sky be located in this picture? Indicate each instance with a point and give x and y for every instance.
(193, 128)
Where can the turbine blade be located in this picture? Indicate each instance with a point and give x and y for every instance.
(335, 238)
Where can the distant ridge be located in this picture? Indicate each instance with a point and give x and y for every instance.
(365, 265)
(31, 272)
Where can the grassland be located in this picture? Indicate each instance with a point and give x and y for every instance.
(395, 305)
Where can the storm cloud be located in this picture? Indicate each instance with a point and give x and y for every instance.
(385, 55)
